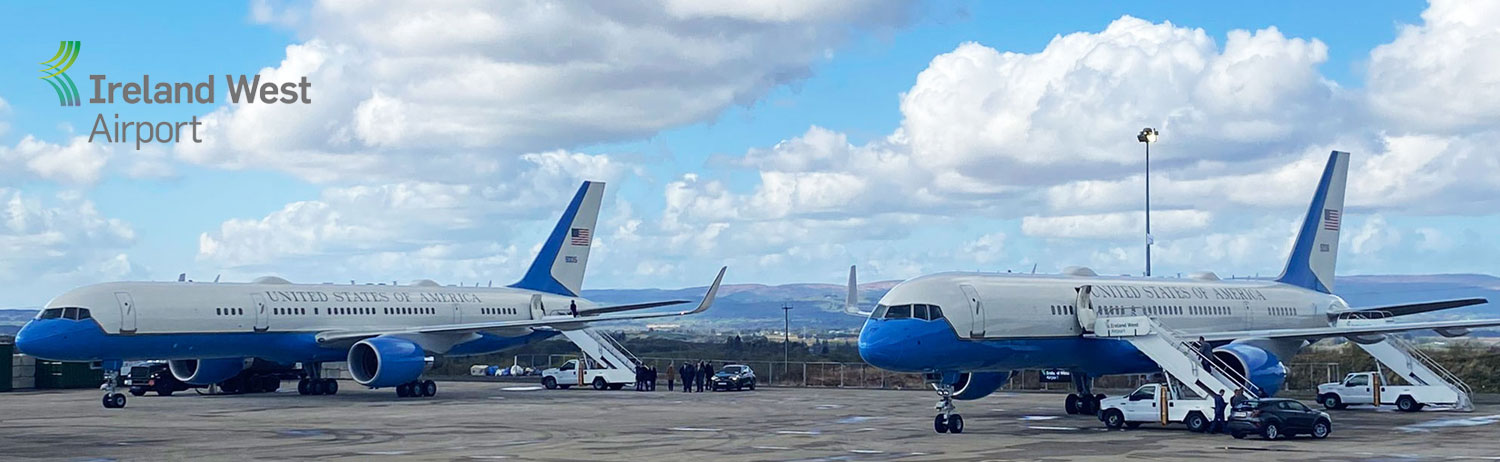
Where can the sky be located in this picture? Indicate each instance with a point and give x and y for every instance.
(785, 139)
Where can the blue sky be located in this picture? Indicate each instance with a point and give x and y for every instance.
(789, 142)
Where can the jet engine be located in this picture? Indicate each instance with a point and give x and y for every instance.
(1260, 366)
(205, 371)
(975, 385)
(386, 362)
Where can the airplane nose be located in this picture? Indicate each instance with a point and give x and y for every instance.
(879, 349)
(29, 340)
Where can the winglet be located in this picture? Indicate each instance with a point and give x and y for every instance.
(851, 301)
(713, 291)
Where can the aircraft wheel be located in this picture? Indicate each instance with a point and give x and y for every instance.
(1072, 404)
(302, 387)
(330, 387)
(940, 424)
(429, 388)
(114, 401)
(955, 423)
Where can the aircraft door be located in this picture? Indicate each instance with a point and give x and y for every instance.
(1085, 308)
(127, 312)
(536, 307)
(262, 314)
(976, 308)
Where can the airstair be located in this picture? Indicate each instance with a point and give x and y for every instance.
(615, 363)
(1404, 358)
(1177, 358)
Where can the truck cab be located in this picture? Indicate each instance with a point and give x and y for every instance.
(580, 372)
(1371, 388)
(1157, 402)
(564, 376)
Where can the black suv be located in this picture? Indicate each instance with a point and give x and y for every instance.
(1274, 418)
(155, 377)
(734, 377)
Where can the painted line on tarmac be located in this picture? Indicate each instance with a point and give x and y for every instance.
(694, 429)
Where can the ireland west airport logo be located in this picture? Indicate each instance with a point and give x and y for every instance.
(56, 72)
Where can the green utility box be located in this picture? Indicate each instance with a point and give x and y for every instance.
(58, 374)
(6, 350)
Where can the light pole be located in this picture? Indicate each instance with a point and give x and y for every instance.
(1148, 136)
(786, 333)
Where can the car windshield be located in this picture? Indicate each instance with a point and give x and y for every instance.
(733, 369)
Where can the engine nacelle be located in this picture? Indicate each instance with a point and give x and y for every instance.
(386, 362)
(205, 371)
(1262, 367)
(975, 385)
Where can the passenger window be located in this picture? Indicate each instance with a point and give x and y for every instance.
(919, 311)
(899, 312)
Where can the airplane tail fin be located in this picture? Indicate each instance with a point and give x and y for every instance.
(559, 267)
(1317, 247)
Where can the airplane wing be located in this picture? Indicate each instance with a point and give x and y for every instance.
(851, 301)
(546, 323)
(1413, 308)
(1314, 333)
(636, 306)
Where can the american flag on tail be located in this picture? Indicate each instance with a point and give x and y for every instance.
(580, 236)
(1331, 219)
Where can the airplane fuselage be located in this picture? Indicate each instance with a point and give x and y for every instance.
(1003, 322)
(272, 319)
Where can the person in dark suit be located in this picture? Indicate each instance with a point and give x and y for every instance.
(1219, 405)
(686, 372)
(653, 378)
(1207, 351)
(702, 375)
(573, 308)
(640, 378)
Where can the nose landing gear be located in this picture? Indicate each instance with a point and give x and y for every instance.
(112, 400)
(947, 421)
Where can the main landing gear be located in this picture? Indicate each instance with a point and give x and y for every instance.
(313, 383)
(417, 389)
(112, 400)
(946, 421)
(1085, 401)
(317, 387)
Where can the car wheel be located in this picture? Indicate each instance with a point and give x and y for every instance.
(600, 384)
(164, 392)
(1113, 418)
(1406, 403)
(752, 385)
(549, 383)
(1321, 429)
(1238, 435)
(1332, 401)
(1272, 431)
(1071, 404)
(137, 392)
(1196, 423)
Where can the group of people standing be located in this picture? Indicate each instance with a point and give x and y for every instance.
(692, 374)
(645, 378)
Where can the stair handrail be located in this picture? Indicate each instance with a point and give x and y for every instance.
(610, 342)
(1234, 377)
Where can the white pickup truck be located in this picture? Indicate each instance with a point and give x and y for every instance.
(566, 376)
(1159, 403)
(1370, 388)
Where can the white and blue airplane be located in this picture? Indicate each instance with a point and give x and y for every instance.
(210, 332)
(966, 331)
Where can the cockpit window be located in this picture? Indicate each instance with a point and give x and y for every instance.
(934, 313)
(83, 313)
(879, 312)
(898, 312)
(51, 313)
(919, 311)
(70, 313)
